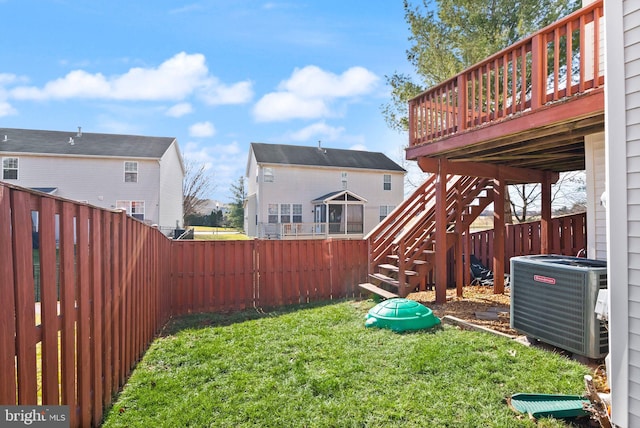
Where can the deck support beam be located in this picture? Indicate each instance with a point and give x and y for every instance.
(510, 174)
(499, 190)
(441, 234)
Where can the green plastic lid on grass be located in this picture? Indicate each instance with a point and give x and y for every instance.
(400, 314)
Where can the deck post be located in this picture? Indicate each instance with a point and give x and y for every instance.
(463, 107)
(499, 190)
(412, 125)
(538, 71)
(459, 229)
(545, 221)
(441, 233)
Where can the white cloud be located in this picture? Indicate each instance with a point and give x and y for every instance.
(311, 93)
(217, 93)
(6, 109)
(316, 131)
(175, 79)
(7, 78)
(179, 110)
(279, 106)
(312, 81)
(202, 129)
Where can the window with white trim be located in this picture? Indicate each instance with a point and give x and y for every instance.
(297, 213)
(267, 175)
(385, 210)
(386, 182)
(9, 168)
(133, 208)
(285, 213)
(343, 176)
(273, 213)
(131, 172)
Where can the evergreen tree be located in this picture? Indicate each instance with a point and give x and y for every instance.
(236, 212)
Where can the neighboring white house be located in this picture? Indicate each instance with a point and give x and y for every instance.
(622, 135)
(317, 192)
(142, 175)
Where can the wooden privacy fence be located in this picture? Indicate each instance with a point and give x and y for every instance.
(211, 276)
(569, 237)
(104, 292)
(106, 284)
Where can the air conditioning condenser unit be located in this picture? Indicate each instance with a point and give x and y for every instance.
(553, 300)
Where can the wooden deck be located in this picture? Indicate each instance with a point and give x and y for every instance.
(519, 116)
(520, 107)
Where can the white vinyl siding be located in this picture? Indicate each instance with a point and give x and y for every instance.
(302, 184)
(622, 127)
(169, 194)
(632, 101)
(596, 215)
(99, 181)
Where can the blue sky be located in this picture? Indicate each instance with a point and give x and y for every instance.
(215, 74)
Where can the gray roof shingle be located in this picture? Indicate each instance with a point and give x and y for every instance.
(85, 144)
(316, 156)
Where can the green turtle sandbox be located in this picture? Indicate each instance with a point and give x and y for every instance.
(400, 314)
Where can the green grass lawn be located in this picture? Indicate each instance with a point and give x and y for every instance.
(320, 367)
(218, 234)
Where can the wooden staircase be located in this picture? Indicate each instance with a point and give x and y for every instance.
(402, 248)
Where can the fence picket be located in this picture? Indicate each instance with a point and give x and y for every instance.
(48, 301)
(8, 386)
(24, 298)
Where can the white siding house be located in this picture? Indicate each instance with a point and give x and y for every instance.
(305, 192)
(142, 175)
(622, 144)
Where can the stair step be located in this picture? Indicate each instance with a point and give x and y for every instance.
(377, 290)
(415, 262)
(384, 278)
(395, 268)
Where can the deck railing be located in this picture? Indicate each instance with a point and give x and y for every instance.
(353, 230)
(559, 61)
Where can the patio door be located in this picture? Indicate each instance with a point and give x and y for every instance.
(319, 217)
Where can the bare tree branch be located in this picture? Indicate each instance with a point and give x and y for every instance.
(197, 185)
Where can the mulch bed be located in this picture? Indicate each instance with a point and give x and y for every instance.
(474, 303)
